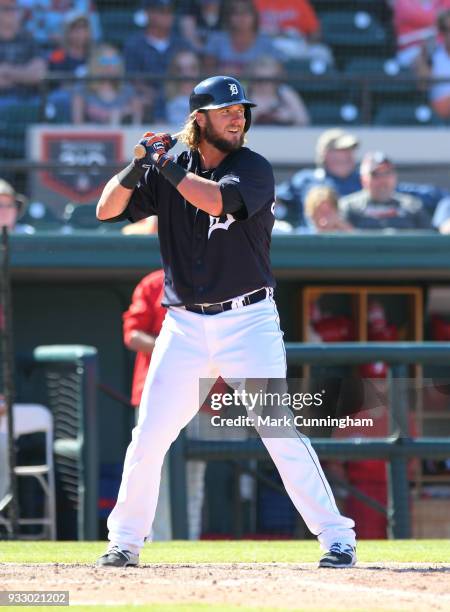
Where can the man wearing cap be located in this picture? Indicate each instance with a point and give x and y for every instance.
(12, 206)
(336, 168)
(215, 205)
(151, 52)
(378, 205)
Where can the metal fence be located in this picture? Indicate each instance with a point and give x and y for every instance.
(70, 385)
(396, 448)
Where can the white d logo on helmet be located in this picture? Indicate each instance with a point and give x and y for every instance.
(233, 89)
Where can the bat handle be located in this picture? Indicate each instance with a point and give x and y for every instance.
(140, 151)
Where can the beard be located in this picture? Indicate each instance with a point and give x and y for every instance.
(214, 139)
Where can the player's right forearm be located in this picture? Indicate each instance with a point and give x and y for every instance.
(113, 200)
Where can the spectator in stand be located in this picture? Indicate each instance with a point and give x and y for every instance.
(441, 217)
(73, 55)
(12, 206)
(335, 167)
(184, 64)
(295, 29)
(378, 205)
(230, 51)
(440, 69)
(198, 19)
(151, 52)
(277, 103)
(415, 28)
(108, 100)
(322, 212)
(70, 58)
(45, 19)
(21, 66)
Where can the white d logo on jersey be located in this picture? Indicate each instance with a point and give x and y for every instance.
(219, 223)
(233, 89)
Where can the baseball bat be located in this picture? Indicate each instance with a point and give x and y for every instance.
(140, 151)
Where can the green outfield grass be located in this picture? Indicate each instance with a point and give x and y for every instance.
(248, 551)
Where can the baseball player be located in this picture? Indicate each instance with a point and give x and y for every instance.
(215, 212)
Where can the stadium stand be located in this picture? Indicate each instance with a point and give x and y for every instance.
(118, 24)
(81, 216)
(350, 31)
(14, 120)
(406, 113)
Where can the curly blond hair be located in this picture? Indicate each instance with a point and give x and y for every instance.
(190, 134)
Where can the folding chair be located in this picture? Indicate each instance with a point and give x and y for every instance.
(28, 419)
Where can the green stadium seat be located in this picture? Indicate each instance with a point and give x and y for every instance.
(117, 26)
(14, 120)
(357, 29)
(81, 216)
(384, 81)
(406, 113)
(373, 7)
(335, 113)
(378, 66)
(316, 81)
(313, 75)
(41, 217)
(391, 78)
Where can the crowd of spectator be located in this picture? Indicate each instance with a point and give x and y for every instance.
(46, 44)
(340, 194)
(64, 45)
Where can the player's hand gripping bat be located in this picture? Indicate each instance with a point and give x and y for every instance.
(153, 148)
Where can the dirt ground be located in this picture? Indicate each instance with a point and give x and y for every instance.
(388, 587)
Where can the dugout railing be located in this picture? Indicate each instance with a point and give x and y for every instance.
(396, 448)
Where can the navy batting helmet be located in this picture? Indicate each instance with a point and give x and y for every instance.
(218, 92)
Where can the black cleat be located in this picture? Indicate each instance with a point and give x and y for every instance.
(116, 557)
(339, 555)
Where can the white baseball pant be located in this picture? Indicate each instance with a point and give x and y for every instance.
(244, 342)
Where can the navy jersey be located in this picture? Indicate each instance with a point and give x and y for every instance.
(211, 259)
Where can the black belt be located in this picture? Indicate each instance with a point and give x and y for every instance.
(212, 309)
